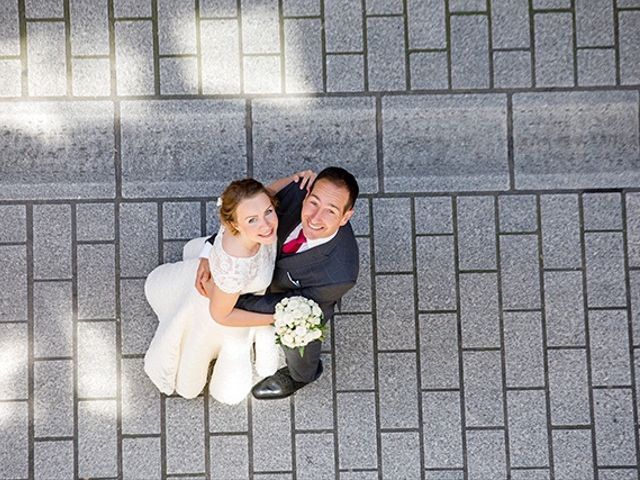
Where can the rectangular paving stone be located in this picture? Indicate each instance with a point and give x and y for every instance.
(358, 299)
(401, 455)
(176, 27)
(572, 457)
(512, 69)
(384, 7)
(479, 310)
(228, 418)
(486, 455)
(178, 76)
(564, 309)
(469, 51)
(13, 223)
(359, 475)
(439, 351)
(476, 233)
(272, 476)
(361, 223)
(138, 322)
(53, 319)
(185, 155)
(510, 24)
(141, 457)
(629, 36)
(395, 311)
(519, 270)
(221, 64)
(426, 24)
(436, 273)
(524, 349)
(96, 289)
(343, 26)
(606, 160)
(483, 389)
(10, 78)
(180, 220)
(554, 52)
(14, 437)
(328, 131)
(43, 9)
(262, 74)
(633, 229)
(260, 26)
(132, 8)
(13, 283)
(429, 70)
(604, 254)
(530, 474)
(53, 459)
(300, 8)
(568, 387)
(10, 28)
(303, 55)
(314, 404)
(140, 400)
(392, 230)
(91, 77)
(615, 436)
(134, 58)
(185, 435)
(345, 72)
(561, 246)
(229, 456)
(433, 215)
(517, 213)
(431, 133)
(618, 474)
(467, 5)
(354, 352)
(47, 134)
(271, 433)
(356, 430)
(138, 238)
(95, 221)
(596, 67)
(609, 339)
(51, 241)
(385, 53)
(14, 358)
(527, 421)
(97, 438)
(634, 293)
(89, 27)
(594, 23)
(602, 211)
(97, 364)
(46, 62)
(442, 430)
(315, 456)
(551, 4)
(53, 398)
(628, 3)
(398, 394)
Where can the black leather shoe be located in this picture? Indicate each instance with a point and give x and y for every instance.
(278, 385)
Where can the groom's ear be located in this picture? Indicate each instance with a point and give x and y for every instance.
(346, 217)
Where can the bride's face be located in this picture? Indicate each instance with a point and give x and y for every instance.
(256, 219)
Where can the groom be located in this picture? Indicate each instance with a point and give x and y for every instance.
(317, 258)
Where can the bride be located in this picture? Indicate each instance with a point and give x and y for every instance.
(194, 330)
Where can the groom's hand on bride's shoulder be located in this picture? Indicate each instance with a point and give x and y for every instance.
(203, 275)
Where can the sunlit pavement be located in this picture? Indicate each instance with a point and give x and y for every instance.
(495, 327)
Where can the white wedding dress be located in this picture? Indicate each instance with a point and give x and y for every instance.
(188, 339)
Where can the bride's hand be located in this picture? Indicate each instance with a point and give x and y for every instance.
(306, 178)
(203, 275)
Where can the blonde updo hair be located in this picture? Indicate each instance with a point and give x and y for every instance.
(237, 191)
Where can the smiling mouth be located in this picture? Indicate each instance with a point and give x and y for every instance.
(270, 234)
(314, 228)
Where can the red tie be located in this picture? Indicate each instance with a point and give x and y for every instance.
(292, 246)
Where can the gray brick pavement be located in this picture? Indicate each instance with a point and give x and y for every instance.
(501, 138)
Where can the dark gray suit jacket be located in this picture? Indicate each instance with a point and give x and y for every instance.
(324, 273)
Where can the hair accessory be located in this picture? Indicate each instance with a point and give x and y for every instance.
(219, 202)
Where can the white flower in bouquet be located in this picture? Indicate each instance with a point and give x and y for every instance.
(298, 321)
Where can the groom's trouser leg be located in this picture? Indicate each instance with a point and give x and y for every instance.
(308, 367)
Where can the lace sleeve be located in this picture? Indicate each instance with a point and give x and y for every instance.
(227, 271)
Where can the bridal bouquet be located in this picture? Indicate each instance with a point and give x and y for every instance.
(298, 321)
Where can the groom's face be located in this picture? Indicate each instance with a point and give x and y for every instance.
(323, 210)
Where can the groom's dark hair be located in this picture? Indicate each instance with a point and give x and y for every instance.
(341, 178)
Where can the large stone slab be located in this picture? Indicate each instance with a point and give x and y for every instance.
(576, 139)
(445, 142)
(294, 134)
(56, 150)
(181, 148)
